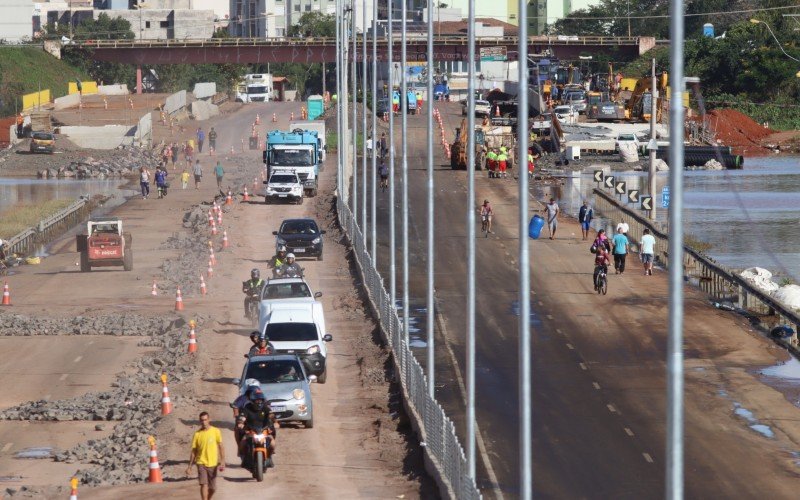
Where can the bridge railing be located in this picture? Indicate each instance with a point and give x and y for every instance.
(443, 451)
(25, 242)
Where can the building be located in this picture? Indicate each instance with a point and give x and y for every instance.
(273, 18)
(167, 24)
(16, 20)
(544, 12)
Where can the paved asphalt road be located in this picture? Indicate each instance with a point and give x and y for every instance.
(598, 362)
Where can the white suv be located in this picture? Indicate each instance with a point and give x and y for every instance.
(284, 186)
(299, 328)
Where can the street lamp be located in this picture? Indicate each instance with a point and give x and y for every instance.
(758, 21)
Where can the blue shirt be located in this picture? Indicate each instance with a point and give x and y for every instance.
(620, 242)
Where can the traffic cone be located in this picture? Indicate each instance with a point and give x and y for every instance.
(154, 290)
(210, 217)
(166, 403)
(225, 243)
(6, 295)
(258, 119)
(229, 199)
(213, 258)
(255, 184)
(73, 483)
(210, 271)
(213, 228)
(274, 117)
(203, 289)
(178, 300)
(246, 196)
(155, 469)
(192, 336)
(219, 217)
(291, 116)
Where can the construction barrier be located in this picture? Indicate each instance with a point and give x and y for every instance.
(87, 88)
(30, 101)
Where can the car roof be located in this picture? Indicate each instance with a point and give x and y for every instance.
(278, 281)
(272, 357)
(304, 219)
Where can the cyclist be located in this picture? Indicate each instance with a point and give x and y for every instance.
(486, 217)
(602, 260)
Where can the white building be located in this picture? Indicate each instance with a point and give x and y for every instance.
(16, 20)
(272, 18)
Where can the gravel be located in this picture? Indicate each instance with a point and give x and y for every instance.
(111, 324)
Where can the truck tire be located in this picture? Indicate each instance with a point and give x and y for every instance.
(85, 266)
(319, 257)
(127, 260)
(323, 377)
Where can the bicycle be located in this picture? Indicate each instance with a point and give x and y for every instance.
(601, 283)
(485, 224)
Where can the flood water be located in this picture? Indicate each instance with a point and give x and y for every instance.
(18, 191)
(750, 217)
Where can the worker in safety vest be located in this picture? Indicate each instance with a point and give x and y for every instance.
(419, 102)
(491, 162)
(502, 163)
(531, 166)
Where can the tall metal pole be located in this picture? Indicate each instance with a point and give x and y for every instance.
(355, 110)
(674, 472)
(374, 129)
(364, 175)
(651, 176)
(525, 412)
(431, 359)
(340, 134)
(404, 139)
(471, 241)
(345, 119)
(392, 247)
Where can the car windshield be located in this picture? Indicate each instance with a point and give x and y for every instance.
(562, 109)
(283, 179)
(286, 291)
(626, 137)
(275, 372)
(291, 157)
(42, 137)
(299, 227)
(292, 332)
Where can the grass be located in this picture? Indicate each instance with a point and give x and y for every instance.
(21, 217)
(25, 70)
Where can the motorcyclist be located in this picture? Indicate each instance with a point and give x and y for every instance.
(290, 269)
(263, 347)
(258, 416)
(278, 259)
(602, 260)
(252, 287)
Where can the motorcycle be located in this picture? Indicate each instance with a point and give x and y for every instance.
(278, 273)
(258, 456)
(252, 308)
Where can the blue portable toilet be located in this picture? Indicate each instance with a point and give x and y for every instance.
(316, 107)
(535, 226)
(708, 30)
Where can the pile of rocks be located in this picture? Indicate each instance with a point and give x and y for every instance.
(110, 324)
(123, 163)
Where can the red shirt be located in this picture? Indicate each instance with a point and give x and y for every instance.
(601, 258)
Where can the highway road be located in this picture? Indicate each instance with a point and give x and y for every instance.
(598, 361)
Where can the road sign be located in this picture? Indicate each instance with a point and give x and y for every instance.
(598, 176)
(633, 195)
(665, 197)
(609, 180)
(497, 53)
(619, 187)
(647, 202)
(652, 145)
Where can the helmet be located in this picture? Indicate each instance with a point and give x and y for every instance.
(290, 256)
(281, 248)
(252, 382)
(255, 274)
(259, 396)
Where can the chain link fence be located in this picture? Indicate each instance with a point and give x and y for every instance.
(436, 430)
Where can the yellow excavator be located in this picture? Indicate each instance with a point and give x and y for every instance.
(639, 106)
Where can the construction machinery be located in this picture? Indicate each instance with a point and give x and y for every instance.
(458, 149)
(105, 244)
(639, 106)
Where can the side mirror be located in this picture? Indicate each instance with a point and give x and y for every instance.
(312, 379)
(264, 182)
(317, 295)
(275, 233)
(327, 337)
(236, 381)
(323, 232)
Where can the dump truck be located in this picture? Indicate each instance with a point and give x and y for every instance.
(105, 244)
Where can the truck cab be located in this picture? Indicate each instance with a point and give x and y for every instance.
(299, 151)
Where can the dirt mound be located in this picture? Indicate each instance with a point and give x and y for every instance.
(738, 130)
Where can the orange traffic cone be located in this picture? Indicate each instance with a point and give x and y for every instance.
(291, 116)
(255, 184)
(212, 256)
(154, 290)
(274, 117)
(203, 289)
(229, 199)
(219, 217)
(246, 196)
(178, 300)
(225, 243)
(192, 337)
(6, 295)
(258, 119)
(155, 469)
(166, 403)
(210, 271)
(73, 483)
(213, 228)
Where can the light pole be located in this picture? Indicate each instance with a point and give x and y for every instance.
(758, 21)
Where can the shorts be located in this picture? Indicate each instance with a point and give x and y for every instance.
(552, 224)
(197, 178)
(585, 225)
(384, 177)
(207, 476)
(647, 258)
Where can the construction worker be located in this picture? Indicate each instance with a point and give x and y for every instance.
(491, 162)
(419, 102)
(502, 163)
(531, 166)
(212, 139)
(20, 124)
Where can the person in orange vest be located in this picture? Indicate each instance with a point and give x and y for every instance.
(531, 166)
(419, 102)
(20, 122)
(303, 113)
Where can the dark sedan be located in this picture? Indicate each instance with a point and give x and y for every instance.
(302, 237)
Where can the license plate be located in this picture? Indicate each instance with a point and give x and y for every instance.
(276, 408)
(282, 195)
(299, 250)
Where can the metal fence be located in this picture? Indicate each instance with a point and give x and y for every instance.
(436, 430)
(712, 278)
(25, 242)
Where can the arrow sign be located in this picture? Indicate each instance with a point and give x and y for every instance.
(647, 202)
(609, 180)
(633, 195)
(598, 176)
(619, 187)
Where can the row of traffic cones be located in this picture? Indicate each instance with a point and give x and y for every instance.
(154, 475)
(445, 144)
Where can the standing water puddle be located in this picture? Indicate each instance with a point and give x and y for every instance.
(789, 370)
(746, 414)
(417, 319)
(36, 453)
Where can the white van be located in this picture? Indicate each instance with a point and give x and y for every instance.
(299, 328)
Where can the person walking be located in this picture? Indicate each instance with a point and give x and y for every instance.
(384, 149)
(184, 179)
(188, 151)
(20, 124)
(175, 151)
(201, 137)
(209, 456)
(219, 172)
(161, 181)
(384, 173)
(369, 146)
(198, 174)
(585, 216)
(620, 244)
(647, 248)
(552, 217)
(144, 181)
(212, 139)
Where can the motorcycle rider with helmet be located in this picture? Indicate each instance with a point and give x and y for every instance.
(278, 259)
(251, 287)
(262, 347)
(258, 415)
(290, 269)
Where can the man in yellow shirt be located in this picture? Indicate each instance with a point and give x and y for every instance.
(208, 454)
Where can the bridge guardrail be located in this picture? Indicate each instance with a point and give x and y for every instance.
(25, 242)
(443, 451)
(712, 278)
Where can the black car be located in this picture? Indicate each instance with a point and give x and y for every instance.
(302, 237)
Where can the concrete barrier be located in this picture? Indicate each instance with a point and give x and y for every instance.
(203, 110)
(35, 99)
(106, 137)
(68, 101)
(175, 102)
(121, 89)
(204, 90)
(143, 137)
(87, 88)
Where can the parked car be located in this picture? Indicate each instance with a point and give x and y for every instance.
(482, 108)
(576, 99)
(627, 138)
(43, 142)
(564, 112)
(302, 237)
(299, 328)
(285, 384)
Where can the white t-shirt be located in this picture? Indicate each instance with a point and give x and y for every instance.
(648, 244)
(624, 226)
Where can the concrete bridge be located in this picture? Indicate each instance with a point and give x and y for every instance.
(318, 50)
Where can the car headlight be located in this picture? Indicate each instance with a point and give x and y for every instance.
(316, 241)
(281, 241)
(298, 394)
(314, 349)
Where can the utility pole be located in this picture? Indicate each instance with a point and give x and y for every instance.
(652, 145)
